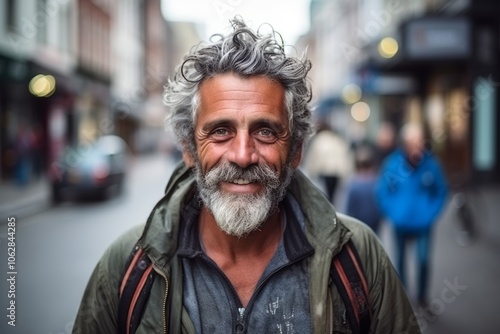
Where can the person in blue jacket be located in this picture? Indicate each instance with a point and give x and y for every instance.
(411, 192)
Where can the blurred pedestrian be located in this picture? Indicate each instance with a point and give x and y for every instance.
(328, 159)
(23, 148)
(360, 191)
(37, 152)
(385, 142)
(411, 191)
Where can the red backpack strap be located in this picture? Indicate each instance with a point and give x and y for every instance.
(347, 274)
(134, 290)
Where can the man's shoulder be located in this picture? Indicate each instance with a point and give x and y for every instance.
(118, 252)
(359, 230)
(364, 239)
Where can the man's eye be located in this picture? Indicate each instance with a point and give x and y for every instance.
(266, 132)
(220, 132)
(266, 135)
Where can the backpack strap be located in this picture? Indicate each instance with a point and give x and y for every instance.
(134, 290)
(348, 276)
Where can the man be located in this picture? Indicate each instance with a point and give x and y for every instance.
(242, 241)
(411, 192)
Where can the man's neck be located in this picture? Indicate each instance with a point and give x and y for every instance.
(243, 260)
(217, 243)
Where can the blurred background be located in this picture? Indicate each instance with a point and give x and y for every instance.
(84, 156)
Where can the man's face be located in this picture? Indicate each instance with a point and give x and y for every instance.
(242, 146)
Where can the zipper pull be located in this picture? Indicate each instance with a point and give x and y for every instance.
(240, 325)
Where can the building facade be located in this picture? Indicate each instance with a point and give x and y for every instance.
(72, 71)
(38, 57)
(434, 62)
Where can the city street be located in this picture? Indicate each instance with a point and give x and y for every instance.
(56, 251)
(397, 96)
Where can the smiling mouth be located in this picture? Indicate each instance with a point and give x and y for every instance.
(241, 181)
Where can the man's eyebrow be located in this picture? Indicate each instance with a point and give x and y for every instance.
(275, 125)
(215, 124)
(258, 123)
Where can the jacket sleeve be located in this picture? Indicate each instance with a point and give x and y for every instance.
(98, 310)
(390, 308)
(99, 307)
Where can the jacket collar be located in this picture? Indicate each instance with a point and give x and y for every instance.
(323, 227)
(160, 237)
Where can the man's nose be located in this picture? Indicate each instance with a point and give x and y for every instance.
(243, 151)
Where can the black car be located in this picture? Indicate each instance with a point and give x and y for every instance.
(94, 170)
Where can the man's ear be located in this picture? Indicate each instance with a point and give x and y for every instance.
(188, 158)
(298, 156)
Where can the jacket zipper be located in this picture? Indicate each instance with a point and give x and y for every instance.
(241, 315)
(165, 299)
(258, 287)
(241, 322)
(242, 310)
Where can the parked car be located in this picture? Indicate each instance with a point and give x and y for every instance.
(95, 170)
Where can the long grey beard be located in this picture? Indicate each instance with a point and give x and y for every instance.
(239, 214)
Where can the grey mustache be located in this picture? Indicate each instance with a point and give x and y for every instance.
(231, 173)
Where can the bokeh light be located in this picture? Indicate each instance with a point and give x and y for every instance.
(42, 85)
(360, 111)
(388, 47)
(351, 94)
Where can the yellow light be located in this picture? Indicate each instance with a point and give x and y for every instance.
(360, 111)
(37, 85)
(52, 85)
(42, 85)
(351, 94)
(388, 47)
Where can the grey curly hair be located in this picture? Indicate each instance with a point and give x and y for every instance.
(246, 53)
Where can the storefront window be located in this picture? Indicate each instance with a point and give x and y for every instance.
(484, 144)
(458, 115)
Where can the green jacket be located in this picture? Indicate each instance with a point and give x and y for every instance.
(326, 230)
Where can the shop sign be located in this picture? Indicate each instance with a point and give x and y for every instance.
(438, 39)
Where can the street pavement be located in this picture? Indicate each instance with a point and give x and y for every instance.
(24, 201)
(57, 248)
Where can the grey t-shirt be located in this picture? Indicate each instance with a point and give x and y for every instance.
(280, 303)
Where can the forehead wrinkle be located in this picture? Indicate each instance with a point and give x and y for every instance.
(230, 87)
(245, 109)
(255, 98)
